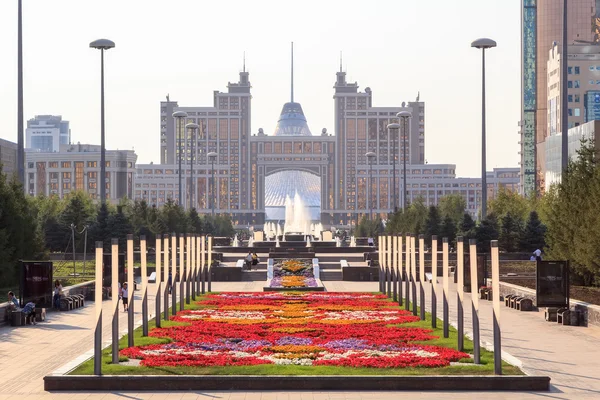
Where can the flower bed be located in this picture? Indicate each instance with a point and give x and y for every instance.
(291, 328)
(293, 274)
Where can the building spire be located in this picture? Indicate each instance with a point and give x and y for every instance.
(340, 61)
(292, 72)
(244, 61)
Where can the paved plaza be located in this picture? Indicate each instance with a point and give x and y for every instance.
(568, 354)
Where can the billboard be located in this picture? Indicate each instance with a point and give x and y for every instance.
(552, 284)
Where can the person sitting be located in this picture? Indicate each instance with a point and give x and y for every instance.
(29, 312)
(58, 293)
(248, 263)
(14, 302)
(255, 260)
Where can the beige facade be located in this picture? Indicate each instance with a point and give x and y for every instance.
(77, 167)
(8, 157)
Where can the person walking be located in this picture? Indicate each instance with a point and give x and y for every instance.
(58, 293)
(125, 294)
(249, 261)
(538, 255)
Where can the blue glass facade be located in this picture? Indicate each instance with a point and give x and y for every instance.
(529, 93)
(592, 105)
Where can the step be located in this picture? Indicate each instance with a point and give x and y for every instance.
(252, 276)
(331, 275)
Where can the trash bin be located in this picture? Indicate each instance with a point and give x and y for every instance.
(16, 318)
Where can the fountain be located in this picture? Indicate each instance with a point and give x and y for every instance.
(338, 242)
(297, 216)
(251, 242)
(277, 242)
(236, 242)
(352, 241)
(308, 241)
(278, 231)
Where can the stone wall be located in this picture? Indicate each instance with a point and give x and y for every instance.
(590, 312)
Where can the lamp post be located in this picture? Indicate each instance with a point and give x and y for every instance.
(393, 131)
(212, 156)
(179, 116)
(193, 127)
(102, 45)
(20, 127)
(404, 116)
(370, 157)
(483, 44)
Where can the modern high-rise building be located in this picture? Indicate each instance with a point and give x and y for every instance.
(541, 27)
(47, 133)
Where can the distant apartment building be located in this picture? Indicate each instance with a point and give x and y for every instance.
(8, 157)
(77, 167)
(47, 133)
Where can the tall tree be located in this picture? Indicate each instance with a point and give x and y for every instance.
(485, 232)
(368, 227)
(533, 236)
(432, 226)
(453, 206)
(510, 233)
(467, 227)
(507, 201)
(448, 230)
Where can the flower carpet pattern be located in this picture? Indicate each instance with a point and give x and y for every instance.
(293, 273)
(336, 329)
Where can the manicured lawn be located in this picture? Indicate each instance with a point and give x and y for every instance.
(389, 309)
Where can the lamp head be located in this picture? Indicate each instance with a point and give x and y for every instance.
(180, 114)
(404, 114)
(393, 126)
(102, 44)
(483, 43)
(371, 155)
(191, 126)
(212, 155)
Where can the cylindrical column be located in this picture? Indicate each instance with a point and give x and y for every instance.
(434, 275)
(407, 271)
(188, 267)
(445, 285)
(115, 298)
(144, 269)
(389, 265)
(202, 264)
(422, 276)
(130, 290)
(98, 307)
(460, 258)
(380, 259)
(496, 305)
(413, 259)
(192, 278)
(210, 242)
(395, 268)
(166, 277)
(399, 239)
(158, 280)
(174, 274)
(474, 300)
(181, 272)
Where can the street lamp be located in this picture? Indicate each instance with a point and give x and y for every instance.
(370, 157)
(193, 127)
(483, 44)
(180, 115)
(394, 128)
(20, 128)
(404, 116)
(102, 44)
(212, 156)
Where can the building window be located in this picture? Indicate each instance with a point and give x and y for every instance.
(570, 112)
(570, 98)
(570, 70)
(92, 164)
(577, 71)
(66, 164)
(53, 164)
(570, 84)
(578, 112)
(576, 84)
(577, 98)
(592, 81)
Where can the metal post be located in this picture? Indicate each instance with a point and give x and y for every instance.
(474, 300)
(192, 280)
(130, 290)
(370, 192)
(158, 281)
(191, 205)
(198, 265)
(434, 262)
(144, 269)
(389, 266)
(212, 183)
(115, 299)
(180, 140)
(483, 146)
(73, 247)
(564, 115)
(394, 266)
(404, 190)
(20, 122)
(98, 307)
(394, 168)
(85, 229)
(460, 291)
(202, 265)
(102, 133)
(445, 285)
(182, 272)
(496, 306)
(422, 276)
(188, 267)
(209, 268)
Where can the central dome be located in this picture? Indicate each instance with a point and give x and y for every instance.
(292, 121)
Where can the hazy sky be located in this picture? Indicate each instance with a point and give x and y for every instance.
(189, 48)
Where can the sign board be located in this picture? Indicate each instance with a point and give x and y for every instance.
(36, 282)
(327, 236)
(552, 284)
(259, 236)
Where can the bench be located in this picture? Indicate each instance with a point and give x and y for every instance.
(507, 299)
(344, 264)
(524, 304)
(513, 301)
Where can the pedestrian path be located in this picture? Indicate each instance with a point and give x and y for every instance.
(569, 355)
